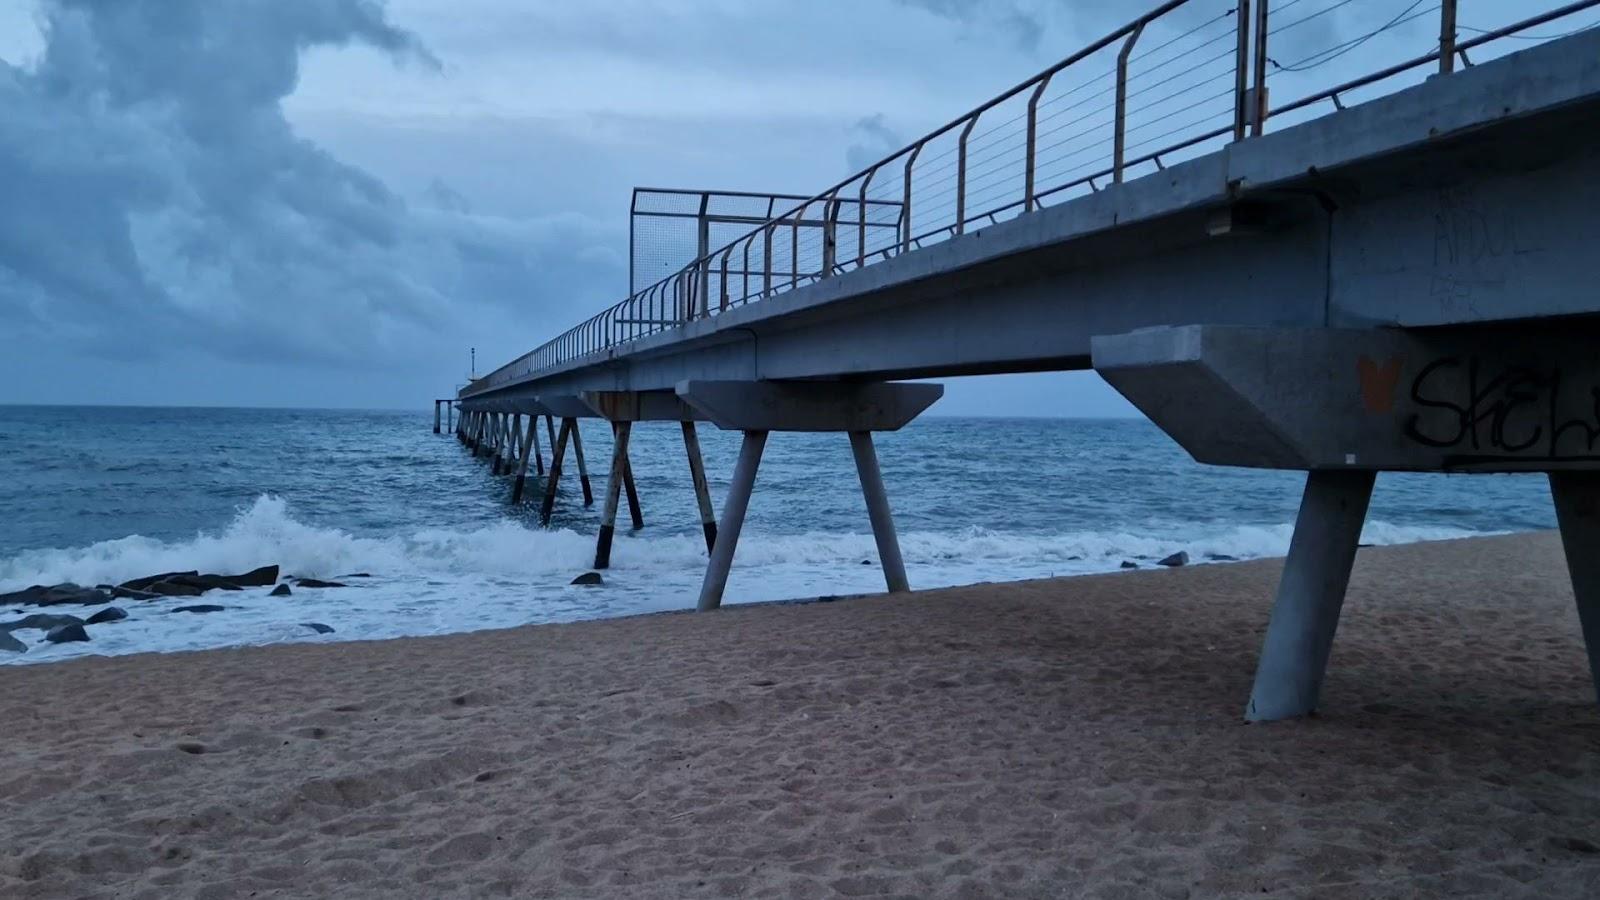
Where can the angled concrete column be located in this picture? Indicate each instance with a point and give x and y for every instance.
(633, 494)
(538, 455)
(1294, 655)
(583, 467)
(497, 424)
(556, 453)
(608, 514)
(733, 510)
(894, 568)
(550, 429)
(1577, 498)
(702, 491)
(479, 425)
(522, 463)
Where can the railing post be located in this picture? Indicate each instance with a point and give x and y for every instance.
(905, 203)
(1122, 103)
(766, 261)
(1028, 203)
(830, 235)
(1241, 72)
(961, 175)
(745, 293)
(724, 286)
(861, 219)
(794, 246)
(1447, 37)
(1258, 96)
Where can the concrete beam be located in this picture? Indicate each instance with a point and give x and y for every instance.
(564, 406)
(640, 406)
(808, 406)
(1511, 398)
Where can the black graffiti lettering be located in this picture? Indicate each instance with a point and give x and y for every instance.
(1518, 410)
(1423, 377)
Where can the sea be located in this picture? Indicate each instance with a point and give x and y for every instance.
(97, 495)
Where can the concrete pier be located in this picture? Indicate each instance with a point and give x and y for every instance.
(1403, 286)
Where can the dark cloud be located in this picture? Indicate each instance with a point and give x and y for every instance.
(1022, 26)
(872, 140)
(159, 199)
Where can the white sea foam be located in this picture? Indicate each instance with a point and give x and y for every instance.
(440, 581)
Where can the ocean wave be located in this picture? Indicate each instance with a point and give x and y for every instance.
(266, 532)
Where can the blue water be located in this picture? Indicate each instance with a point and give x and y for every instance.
(97, 495)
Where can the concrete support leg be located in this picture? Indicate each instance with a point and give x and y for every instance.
(633, 495)
(538, 454)
(1577, 498)
(733, 510)
(702, 491)
(1299, 638)
(522, 463)
(550, 429)
(608, 514)
(583, 467)
(478, 425)
(894, 568)
(436, 417)
(496, 429)
(556, 454)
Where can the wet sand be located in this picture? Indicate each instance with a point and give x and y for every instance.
(1068, 737)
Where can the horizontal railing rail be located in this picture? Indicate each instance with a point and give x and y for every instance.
(1133, 108)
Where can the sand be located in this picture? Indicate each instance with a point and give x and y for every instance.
(1071, 737)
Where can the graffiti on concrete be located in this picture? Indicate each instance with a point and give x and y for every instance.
(1484, 412)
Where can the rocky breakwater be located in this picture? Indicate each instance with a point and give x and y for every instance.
(58, 627)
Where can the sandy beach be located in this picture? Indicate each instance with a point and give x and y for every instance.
(1071, 737)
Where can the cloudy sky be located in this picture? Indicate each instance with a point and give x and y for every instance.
(326, 202)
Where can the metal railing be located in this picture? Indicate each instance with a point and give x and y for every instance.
(1058, 136)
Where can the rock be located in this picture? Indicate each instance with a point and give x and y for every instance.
(123, 593)
(204, 582)
(109, 614)
(589, 578)
(1129, 564)
(24, 596)
(357, 575)
(143, 584)
(266, 576)
(198, 608)
(318, 583)
(66, 634)
(55, 595)
(1181, 558)
(866, 562)
(281, 590)
(318, 627)
(45, 621)
(174, 589)
(10, 644)
(1221, 557)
